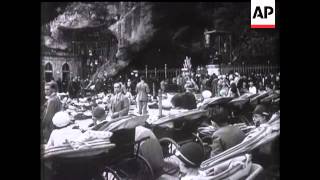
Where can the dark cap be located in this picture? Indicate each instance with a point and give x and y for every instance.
(98, 112)
(191, 154)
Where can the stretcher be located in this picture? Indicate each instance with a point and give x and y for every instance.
(214, 101)
(239, 167)
(183, 116)
(90, 149)
(125, 122)
(258, 136)
(256, 99)
(89, 144)
(271, 97)
(243, 99)
(113, 157)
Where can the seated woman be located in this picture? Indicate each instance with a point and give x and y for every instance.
(268, 154)
(63, 131)
(226, 135)
(260, 115)
(187, 160)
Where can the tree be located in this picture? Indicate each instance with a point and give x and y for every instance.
(247, 43)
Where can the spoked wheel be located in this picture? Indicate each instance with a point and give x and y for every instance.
(133, 168)
(109, 174)
(205, 142)
(206, 149)
(169, 146)
(198, 140)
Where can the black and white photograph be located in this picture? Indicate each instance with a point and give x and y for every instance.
(160, 90)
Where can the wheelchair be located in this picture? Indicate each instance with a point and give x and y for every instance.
(119, 161)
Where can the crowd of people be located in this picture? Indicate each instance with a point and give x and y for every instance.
(231, 84)
(138, 92)
(56, 122)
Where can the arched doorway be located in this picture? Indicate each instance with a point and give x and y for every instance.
(48, 72)
(65, 72)
(65, 76)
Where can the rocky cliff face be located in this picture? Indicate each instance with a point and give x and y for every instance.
(130, 22)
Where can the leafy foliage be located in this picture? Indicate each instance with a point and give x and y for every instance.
(247, 43)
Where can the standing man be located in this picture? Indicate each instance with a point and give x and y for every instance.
(214, 85)
(51, 107)
(119, 105)
(163, 85)
(142, 90)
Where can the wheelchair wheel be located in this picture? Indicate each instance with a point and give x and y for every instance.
(169, 146)
(198, 140)
(207, 141)
(206, 149)
(109, 174)
(136, 167)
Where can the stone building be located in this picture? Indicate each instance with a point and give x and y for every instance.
(60, 64)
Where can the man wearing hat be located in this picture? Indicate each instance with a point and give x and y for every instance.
(187, 159)
(98, 115)
(191, 154)
(51, 107)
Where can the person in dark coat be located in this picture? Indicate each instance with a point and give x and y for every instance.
(184, 100)
(227, 135)
(119, 103)
(72, 88)
(51, 107)
(142, 90)
(214, 85)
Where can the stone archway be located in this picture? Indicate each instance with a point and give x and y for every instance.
(48, 72)
(65, 72)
